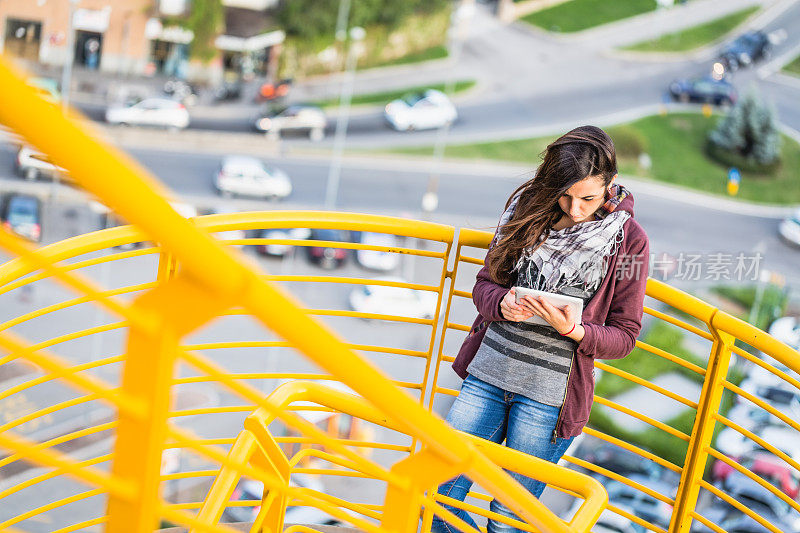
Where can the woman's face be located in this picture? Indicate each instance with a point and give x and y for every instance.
(584, 198)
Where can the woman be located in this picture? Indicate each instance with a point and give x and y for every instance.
(568, 230)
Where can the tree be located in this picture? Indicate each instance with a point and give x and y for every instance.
(750, 130)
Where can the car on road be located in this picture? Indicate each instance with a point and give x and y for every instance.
(250, 489)
(293, 118)
(248, 176)
(328, 256)
(420, 110)
(758, 499)
(279, 250)
(789, 228)
(703, 90)
(734, 444)
(746, 50)
(786, 329)
(159, 112)
(377, 259)
(31, 164)
(22, 214)
(766, 465)
(392, 300)
(274, 90)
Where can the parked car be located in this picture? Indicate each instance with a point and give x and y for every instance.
(181, 91)
(420, 110)
(228, 90)
(274, 90)
(161, 112)
(633, 501)
(789, 228)
(764, 464)
(249, 489)
(755, 497)
(391, 300)
(621, 461)
(296, 118)
(377, 259)
(22, 214)
(786, 329)
(280, 250)
(248, 176)
(703, 90)
(734, 444)
(31, 164)
(328, 256)
(746, 50)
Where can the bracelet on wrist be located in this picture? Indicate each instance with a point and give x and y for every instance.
(570, 331)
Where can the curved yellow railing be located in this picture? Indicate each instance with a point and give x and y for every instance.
(169, 347)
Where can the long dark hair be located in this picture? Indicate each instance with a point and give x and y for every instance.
(583, 152)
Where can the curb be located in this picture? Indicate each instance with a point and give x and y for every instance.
(709, 50)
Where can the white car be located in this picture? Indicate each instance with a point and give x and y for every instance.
(787, 329)
(32, 164)
(293, 118)
(280, 250)
(789, 228)
(248, 176)
(161, 112)
(378, 259)
(420, 110)
(389, 300)
(734, 444)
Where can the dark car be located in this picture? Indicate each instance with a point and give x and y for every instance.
(327, 256)
(623, 462)
(703, 90)
(22, 214)
(746, 50)
(756, 498)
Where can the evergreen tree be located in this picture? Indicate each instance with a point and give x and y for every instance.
(749, 130)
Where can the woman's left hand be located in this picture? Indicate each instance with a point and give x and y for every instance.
(561, 318)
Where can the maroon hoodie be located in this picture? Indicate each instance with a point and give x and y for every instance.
(612, 319)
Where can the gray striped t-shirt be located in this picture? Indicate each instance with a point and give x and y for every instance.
(528, 359)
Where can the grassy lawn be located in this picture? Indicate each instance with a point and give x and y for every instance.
(793, 67)
(696, 36)
(387, 96)
(576, 15)
(675, 143)
(646, 365)
(435, 52)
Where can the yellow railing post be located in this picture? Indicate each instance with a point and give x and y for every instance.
(174, 308)
(422, 470)
(703, 431)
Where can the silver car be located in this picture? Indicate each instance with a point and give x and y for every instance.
(160, 112)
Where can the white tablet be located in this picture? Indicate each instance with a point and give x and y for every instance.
(556, 299)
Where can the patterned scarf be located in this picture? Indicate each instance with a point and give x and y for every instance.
(573, 256)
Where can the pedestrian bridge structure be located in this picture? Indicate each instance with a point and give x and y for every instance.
(141, 386)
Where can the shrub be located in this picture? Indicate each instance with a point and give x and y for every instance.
(749, 131)
(629, 142)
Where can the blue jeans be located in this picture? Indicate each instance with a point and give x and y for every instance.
(494, 414)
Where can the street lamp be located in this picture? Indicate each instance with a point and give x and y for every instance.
(459, 27)
(66, 72)
(357, 35)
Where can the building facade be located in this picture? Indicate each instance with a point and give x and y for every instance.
(131, 37)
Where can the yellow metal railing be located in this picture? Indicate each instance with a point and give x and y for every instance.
(170, 352)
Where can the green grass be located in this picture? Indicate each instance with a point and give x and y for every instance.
(435, 52)
(793, 67)
(646, 365)
(774, 301)
(387, 96)
(676, 145)
(576, 15)
(696, 36)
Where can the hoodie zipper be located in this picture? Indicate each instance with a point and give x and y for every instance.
(561, 410)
